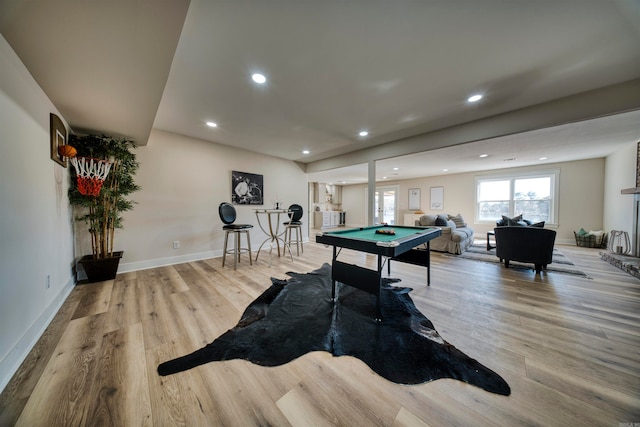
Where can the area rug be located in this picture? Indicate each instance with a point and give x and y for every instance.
(296, 316)
(561, 264)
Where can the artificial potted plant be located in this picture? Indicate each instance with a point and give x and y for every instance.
(101, 207)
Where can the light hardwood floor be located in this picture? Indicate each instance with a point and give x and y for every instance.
(569, 347)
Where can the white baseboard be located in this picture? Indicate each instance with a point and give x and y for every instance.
(161, 262)
(10, 364)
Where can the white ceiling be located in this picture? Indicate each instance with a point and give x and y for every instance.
(576, 141)
(396, 68)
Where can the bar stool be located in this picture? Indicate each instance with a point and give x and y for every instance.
(294, 223)
(228, 216)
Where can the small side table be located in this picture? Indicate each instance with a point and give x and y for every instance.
(489, 234)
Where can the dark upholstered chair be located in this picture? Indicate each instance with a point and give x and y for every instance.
(228, 216)
(525, 244)
(294, 223)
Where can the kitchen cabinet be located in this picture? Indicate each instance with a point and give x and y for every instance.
(329, 219)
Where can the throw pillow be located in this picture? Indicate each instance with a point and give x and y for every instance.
(506, 219)
(441, 220)
(458, 220)
(451, 224)
(599, 236)
(512, 223)
(538, 224)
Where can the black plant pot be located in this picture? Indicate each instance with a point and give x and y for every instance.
(102, 269)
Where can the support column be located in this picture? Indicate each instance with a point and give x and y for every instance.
(371, 193)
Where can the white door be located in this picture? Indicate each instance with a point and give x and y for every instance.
(386, 204)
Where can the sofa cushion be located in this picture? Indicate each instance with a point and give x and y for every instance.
(441, 220)
(538, 224)
(458, 220)
(445, 230)
(461, 234)
(427, 220)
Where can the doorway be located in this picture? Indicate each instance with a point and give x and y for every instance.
(386, 205)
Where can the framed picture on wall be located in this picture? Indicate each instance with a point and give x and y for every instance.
(58, 135)
(414, 199)
(437, 198)
(247, 188)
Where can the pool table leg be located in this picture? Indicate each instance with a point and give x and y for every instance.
(378, 303)
(333, 288)
(428, 264)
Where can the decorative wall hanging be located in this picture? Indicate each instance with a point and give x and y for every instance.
(414, 199)
(437, 198)
(247, 188)
(58, 134)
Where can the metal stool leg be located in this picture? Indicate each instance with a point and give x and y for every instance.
(249, 247)
(224, 251)
(236, 252)
(299, 237)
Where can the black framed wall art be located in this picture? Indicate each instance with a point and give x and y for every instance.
(247, 188)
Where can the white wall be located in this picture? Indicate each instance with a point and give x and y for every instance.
(581, 197)
(183, 181)
(35, 219)
(353, 203)
(620, 174)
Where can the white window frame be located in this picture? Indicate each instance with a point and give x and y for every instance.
(554, 174)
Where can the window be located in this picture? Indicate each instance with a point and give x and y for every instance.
(532, 195)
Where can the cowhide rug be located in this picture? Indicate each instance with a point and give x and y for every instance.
(297, 316)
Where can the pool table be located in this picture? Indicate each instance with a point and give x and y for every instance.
(400, 246)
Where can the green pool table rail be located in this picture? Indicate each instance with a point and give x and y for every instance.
(365, 239)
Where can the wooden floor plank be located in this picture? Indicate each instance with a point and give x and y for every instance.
(568, 346)
(121, 394)
(60, 397)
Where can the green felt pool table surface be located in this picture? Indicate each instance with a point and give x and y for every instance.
(367, 240)
(370, 233)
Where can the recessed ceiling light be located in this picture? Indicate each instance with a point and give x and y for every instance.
(305, 151)
(474, 98)
(212, 124)
(258, 78)
(395, 169)
(445, 170)
(482, 156)
(543, 158)
(363, 133)
(384, 177)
